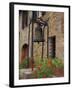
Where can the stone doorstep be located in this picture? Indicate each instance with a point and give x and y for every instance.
(26, 73)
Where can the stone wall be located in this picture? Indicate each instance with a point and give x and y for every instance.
(56, 28)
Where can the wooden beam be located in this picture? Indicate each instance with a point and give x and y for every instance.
(28, 43)
(43, 44)
(32, 46)
(47, 41)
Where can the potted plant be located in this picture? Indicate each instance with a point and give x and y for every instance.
(42, 70)
(58, 67)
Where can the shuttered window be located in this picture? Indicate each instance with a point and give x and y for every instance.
(24, 18)
(34, 15)
(51, 43)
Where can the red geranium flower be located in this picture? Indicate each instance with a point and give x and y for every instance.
(44, 76)
(39, 67)
(35, 72)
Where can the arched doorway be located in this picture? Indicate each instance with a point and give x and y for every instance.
(24, 52)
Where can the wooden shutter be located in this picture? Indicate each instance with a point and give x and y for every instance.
(51, 43)
(24, 19)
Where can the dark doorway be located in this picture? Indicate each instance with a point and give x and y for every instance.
(24, 52)
(52, 44)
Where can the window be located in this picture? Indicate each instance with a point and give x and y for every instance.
(24, 19)
(43, 13)
(24, 15)
(34, 15)
(51, 43)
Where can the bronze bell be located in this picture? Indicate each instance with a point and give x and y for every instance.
(38, 34)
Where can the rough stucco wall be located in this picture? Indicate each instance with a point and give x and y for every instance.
(56, 27)
(60, 36)
(23, 39)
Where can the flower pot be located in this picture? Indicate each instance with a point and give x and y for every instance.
(58, 72)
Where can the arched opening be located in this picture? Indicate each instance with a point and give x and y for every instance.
(24, 52)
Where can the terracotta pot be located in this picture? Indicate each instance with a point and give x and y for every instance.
(49, 64)
(59, 72)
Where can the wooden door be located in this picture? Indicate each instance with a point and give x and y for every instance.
(52, 44)
(24, 52)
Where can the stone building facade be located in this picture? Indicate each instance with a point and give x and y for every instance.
(55, 28)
